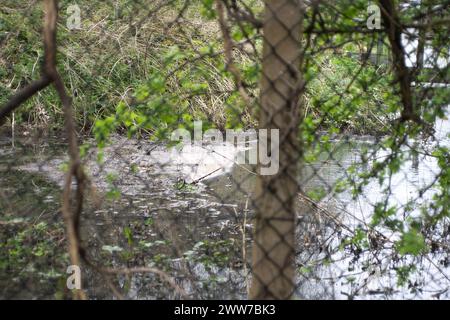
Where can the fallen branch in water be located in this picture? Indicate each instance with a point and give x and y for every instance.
(205, 176)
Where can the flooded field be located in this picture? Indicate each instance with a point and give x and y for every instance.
(191, 218)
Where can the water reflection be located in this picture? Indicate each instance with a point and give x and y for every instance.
(142, 210)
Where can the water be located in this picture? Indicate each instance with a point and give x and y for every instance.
(142, 210)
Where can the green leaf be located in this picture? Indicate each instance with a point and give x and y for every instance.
(411, 242)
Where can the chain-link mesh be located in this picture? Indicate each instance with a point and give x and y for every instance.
(314, 161)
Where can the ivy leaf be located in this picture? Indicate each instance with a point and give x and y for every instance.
(411, 242)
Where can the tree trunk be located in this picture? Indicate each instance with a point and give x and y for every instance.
(273, 268)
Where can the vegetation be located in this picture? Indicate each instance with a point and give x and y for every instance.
(130, 75)
(145, 69)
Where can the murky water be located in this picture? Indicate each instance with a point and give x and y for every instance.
(142, 210)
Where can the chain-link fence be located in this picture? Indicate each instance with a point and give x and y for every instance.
(224, 149)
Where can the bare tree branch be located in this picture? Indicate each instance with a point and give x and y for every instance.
(228, 50)
(23, 95)
(394, 31)
(71, 218)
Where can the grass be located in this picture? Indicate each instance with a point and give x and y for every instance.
(122, 45)
(116, 51)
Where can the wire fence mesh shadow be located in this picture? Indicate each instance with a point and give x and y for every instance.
(225, 149)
